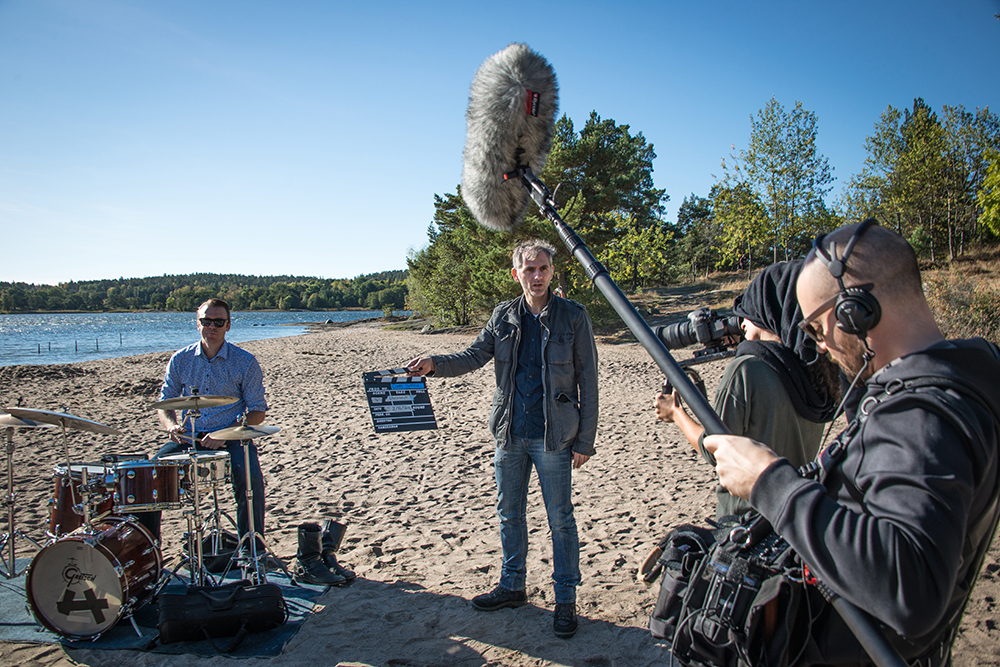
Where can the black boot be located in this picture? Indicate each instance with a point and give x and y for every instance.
(333, 535)
(310, 568)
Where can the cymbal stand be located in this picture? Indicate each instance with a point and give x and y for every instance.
(195, 556)
(11, 536)
(251, 565)
(84, 504)
(194, 532)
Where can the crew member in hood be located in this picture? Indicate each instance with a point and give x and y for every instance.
(776, 390)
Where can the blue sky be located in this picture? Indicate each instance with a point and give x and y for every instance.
(139, 138)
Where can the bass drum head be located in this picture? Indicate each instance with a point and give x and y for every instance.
(74, 589)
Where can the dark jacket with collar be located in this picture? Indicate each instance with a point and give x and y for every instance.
(569, 371)
(906, 507)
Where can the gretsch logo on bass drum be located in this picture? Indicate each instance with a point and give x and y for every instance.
(71, 574)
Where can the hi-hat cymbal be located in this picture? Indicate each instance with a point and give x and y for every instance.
(10, 421)
(193, 402)
(244, 432)
(63, 419)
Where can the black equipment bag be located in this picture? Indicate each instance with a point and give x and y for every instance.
(211, 612)
(729, 596)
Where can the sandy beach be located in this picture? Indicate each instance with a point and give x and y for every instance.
(422, 532)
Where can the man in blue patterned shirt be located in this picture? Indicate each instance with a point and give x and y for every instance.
(215, 367)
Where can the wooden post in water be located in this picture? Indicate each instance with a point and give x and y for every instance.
(97, 344)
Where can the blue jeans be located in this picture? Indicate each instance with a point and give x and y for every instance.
(238, 474)
(555, 476)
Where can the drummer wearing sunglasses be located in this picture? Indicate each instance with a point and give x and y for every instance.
(212, 366)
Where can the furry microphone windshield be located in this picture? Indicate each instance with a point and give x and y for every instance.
(512, 109)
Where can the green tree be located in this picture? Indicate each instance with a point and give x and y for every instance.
(922, 174)
(639, 254)
(783, 166)
(699, 232)
(988, 196)
(462, 266)
(606, 173)
(743, 220)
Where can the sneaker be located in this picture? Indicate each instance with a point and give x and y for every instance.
(564, 620)
(499, 598)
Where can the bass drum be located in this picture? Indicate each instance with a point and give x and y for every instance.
(80, 585)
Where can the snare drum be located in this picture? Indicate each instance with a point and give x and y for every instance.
(145, 486)
(67, 497)
(211, 467)
(80, 585)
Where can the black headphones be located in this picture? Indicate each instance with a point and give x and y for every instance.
(857, 310)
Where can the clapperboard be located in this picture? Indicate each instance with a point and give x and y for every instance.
(398, 402)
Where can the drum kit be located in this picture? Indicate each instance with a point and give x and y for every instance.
(98, 564)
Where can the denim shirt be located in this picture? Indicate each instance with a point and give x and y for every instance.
(528, 414)
(232, 372)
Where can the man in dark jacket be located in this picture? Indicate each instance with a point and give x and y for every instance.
(905, 501)
(544, 414)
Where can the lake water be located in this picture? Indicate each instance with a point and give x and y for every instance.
(62, 338)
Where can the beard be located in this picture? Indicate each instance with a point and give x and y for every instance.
(851, 358)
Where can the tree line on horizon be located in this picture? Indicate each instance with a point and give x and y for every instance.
(934, 178)
(385, 291)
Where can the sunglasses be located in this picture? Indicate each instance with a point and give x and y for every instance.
(807, 326)
(217, 322)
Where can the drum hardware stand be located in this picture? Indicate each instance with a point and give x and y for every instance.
(250, 565)
(213, 524)
(256, 575)
(9, 538)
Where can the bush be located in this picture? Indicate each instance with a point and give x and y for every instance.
(963, 307)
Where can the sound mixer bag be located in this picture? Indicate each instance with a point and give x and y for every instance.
(729, 596)
(213, 612)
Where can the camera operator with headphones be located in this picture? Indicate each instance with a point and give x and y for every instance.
(898, 511)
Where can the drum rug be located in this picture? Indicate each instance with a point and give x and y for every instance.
(18, 624)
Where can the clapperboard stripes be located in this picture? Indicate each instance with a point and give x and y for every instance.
(398, 402)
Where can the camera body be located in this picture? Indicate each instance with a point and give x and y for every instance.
(718, 335)
(702, 326)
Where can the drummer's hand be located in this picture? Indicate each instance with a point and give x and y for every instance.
(208, 442)
(176, 431)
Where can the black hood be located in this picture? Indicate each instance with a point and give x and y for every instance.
(770, 302)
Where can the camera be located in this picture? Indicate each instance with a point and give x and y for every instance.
(702, 326)
(718, 335)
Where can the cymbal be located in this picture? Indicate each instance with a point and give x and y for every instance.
(10, 421)
(193, 402)
(244, 432)
(63, 419)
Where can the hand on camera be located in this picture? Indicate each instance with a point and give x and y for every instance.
(666, 406)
